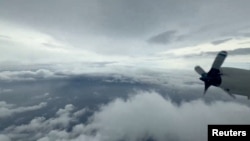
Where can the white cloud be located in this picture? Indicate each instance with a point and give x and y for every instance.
(28, 75)
(149, 114)
(7, 110)
(63, 118)
(144, 115)
(40, 126)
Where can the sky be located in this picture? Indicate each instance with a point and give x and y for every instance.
(62, 31)
(122, 54)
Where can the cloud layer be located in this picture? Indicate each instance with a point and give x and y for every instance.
(76, 52)
(124, 26)
(150, 115)
(7, 110)
(145, 115)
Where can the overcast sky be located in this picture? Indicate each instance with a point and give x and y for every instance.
(52, 31)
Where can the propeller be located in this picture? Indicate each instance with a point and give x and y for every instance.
(213, 77)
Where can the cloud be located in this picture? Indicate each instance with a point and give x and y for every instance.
(144, 115)
(28, 75)
(120, 18)
(217, 42)
(91, 31)
(114, 27)
(4, 138)
(4, 37)
(40, 126)
(150, 115)
(163, 38)
(3, 90)
(94, 31)
(7, 110)
(239, 51)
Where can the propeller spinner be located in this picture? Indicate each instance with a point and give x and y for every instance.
(213, 77)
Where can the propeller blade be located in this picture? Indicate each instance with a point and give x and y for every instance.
(207, 85)
(221, 56)
(199, 70)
